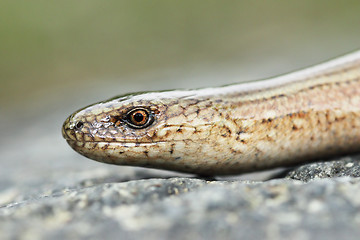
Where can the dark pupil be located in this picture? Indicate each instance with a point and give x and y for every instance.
(79, 125)
(138, 117)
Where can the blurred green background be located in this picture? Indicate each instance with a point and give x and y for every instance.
(57, 56)
(49, 47)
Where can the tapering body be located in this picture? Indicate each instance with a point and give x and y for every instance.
(282, 121)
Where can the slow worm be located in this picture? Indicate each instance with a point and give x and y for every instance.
(299, 117)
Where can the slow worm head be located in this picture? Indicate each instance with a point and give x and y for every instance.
(282, 121)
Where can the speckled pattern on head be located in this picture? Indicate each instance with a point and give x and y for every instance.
(282, 121)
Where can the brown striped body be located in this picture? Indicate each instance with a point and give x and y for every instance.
(287, 120)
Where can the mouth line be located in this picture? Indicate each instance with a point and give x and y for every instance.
(109, 142)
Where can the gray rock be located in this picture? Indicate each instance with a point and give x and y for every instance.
(346, 166)
(186, 208)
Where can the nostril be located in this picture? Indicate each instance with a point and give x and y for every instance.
(79, 125)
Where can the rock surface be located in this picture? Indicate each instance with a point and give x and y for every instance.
(322, 203)
(346, 166)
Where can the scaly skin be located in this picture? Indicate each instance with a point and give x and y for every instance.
(287, 120)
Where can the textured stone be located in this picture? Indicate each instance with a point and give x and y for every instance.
(190, 208)
(345, 166)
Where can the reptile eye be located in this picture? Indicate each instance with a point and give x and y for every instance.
(79, 125)
(139, 118)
